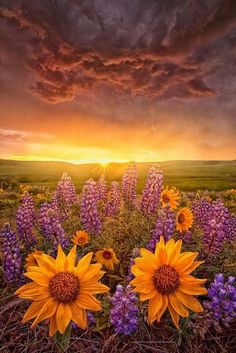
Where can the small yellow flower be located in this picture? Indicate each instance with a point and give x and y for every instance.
(170, 196)
(107, 257)
(184, 219)
(1, 190)
(31, 259)
(62, 290)
(81, 238)
(164, 280)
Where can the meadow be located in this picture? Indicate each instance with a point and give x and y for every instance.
(186, 175)
(118, 257)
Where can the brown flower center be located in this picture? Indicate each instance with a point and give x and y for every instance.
(81, 240)
(166, 279)
(181, 218)
(64, 287)
(107, 255)
(165, 198)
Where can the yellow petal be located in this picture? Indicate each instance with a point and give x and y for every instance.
(189, 301)
(174, 254)
(91, 271)
(154, 306)
(144, 265)
(71, 259)
(178, 306)
(79, 316)
(174, 315)
(146, 296)
(149, 256)
(33, 310)
(61, 259)
(84, 263)
(53, 325)
(163, 308)
(87, 301)
(63, 317)
(39, 278)
(49, 308)
(96, 288)
(192, 289)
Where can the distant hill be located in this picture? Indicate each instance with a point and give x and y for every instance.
(187, 175)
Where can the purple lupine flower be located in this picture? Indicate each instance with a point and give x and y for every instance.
(165, 226)
(12, 263)
(102, 188)
(124, 312)
(129, 184)
(217, 224)
(65, 190)
(221, 301)
(114, 199)
(25, 218)
(151, 194)
(89, 213)
(50, 226)
(64, 196)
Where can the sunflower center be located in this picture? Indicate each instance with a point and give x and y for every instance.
(166, 279)
(181, 218)
(107, 255)
(165, 198)
(81, 240)
(64, 287)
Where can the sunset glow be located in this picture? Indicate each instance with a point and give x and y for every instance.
(87, 96)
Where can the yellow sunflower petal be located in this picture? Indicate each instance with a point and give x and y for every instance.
(163, 307)
(78, 316)
(49, 308)
(96, 288)
(149, 256)
(39, 278)
(87, 301)
(53, 325)
(178, 306)
(33, 310)
(60, 259)
(154, 306)
(146, 296)
(192, 290)
(84, 263)
(63, 317)
(70, 261)
(189, 301)
(174, 315)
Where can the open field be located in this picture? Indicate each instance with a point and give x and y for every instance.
(186, 175)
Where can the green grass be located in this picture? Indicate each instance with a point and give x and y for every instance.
(187, 175)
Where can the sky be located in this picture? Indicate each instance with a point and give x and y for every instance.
(117, 80)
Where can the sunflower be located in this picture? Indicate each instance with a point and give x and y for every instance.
(81, 238)
(62, 291)
(31, 259)
(107, 257)
(170, 196)
(164, 279)
(184, 219)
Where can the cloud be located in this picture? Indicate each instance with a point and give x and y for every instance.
(156, 50)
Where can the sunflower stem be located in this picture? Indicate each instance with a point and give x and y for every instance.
(62, 341)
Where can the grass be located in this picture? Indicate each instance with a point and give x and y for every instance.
(186, 175)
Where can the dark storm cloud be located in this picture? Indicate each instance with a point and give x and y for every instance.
(154, 49)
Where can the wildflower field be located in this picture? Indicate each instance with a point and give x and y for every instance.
(113, 267)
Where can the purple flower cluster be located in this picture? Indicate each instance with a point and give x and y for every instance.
(129, 184)
(12, 264)
(65, 191)
(89, 213)
(25, 218)
(102, 188)
(152, 191)
(124, 312)
(50, 226)
(165, 226)
(114, 199)
(217, 224)
(222, 299)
